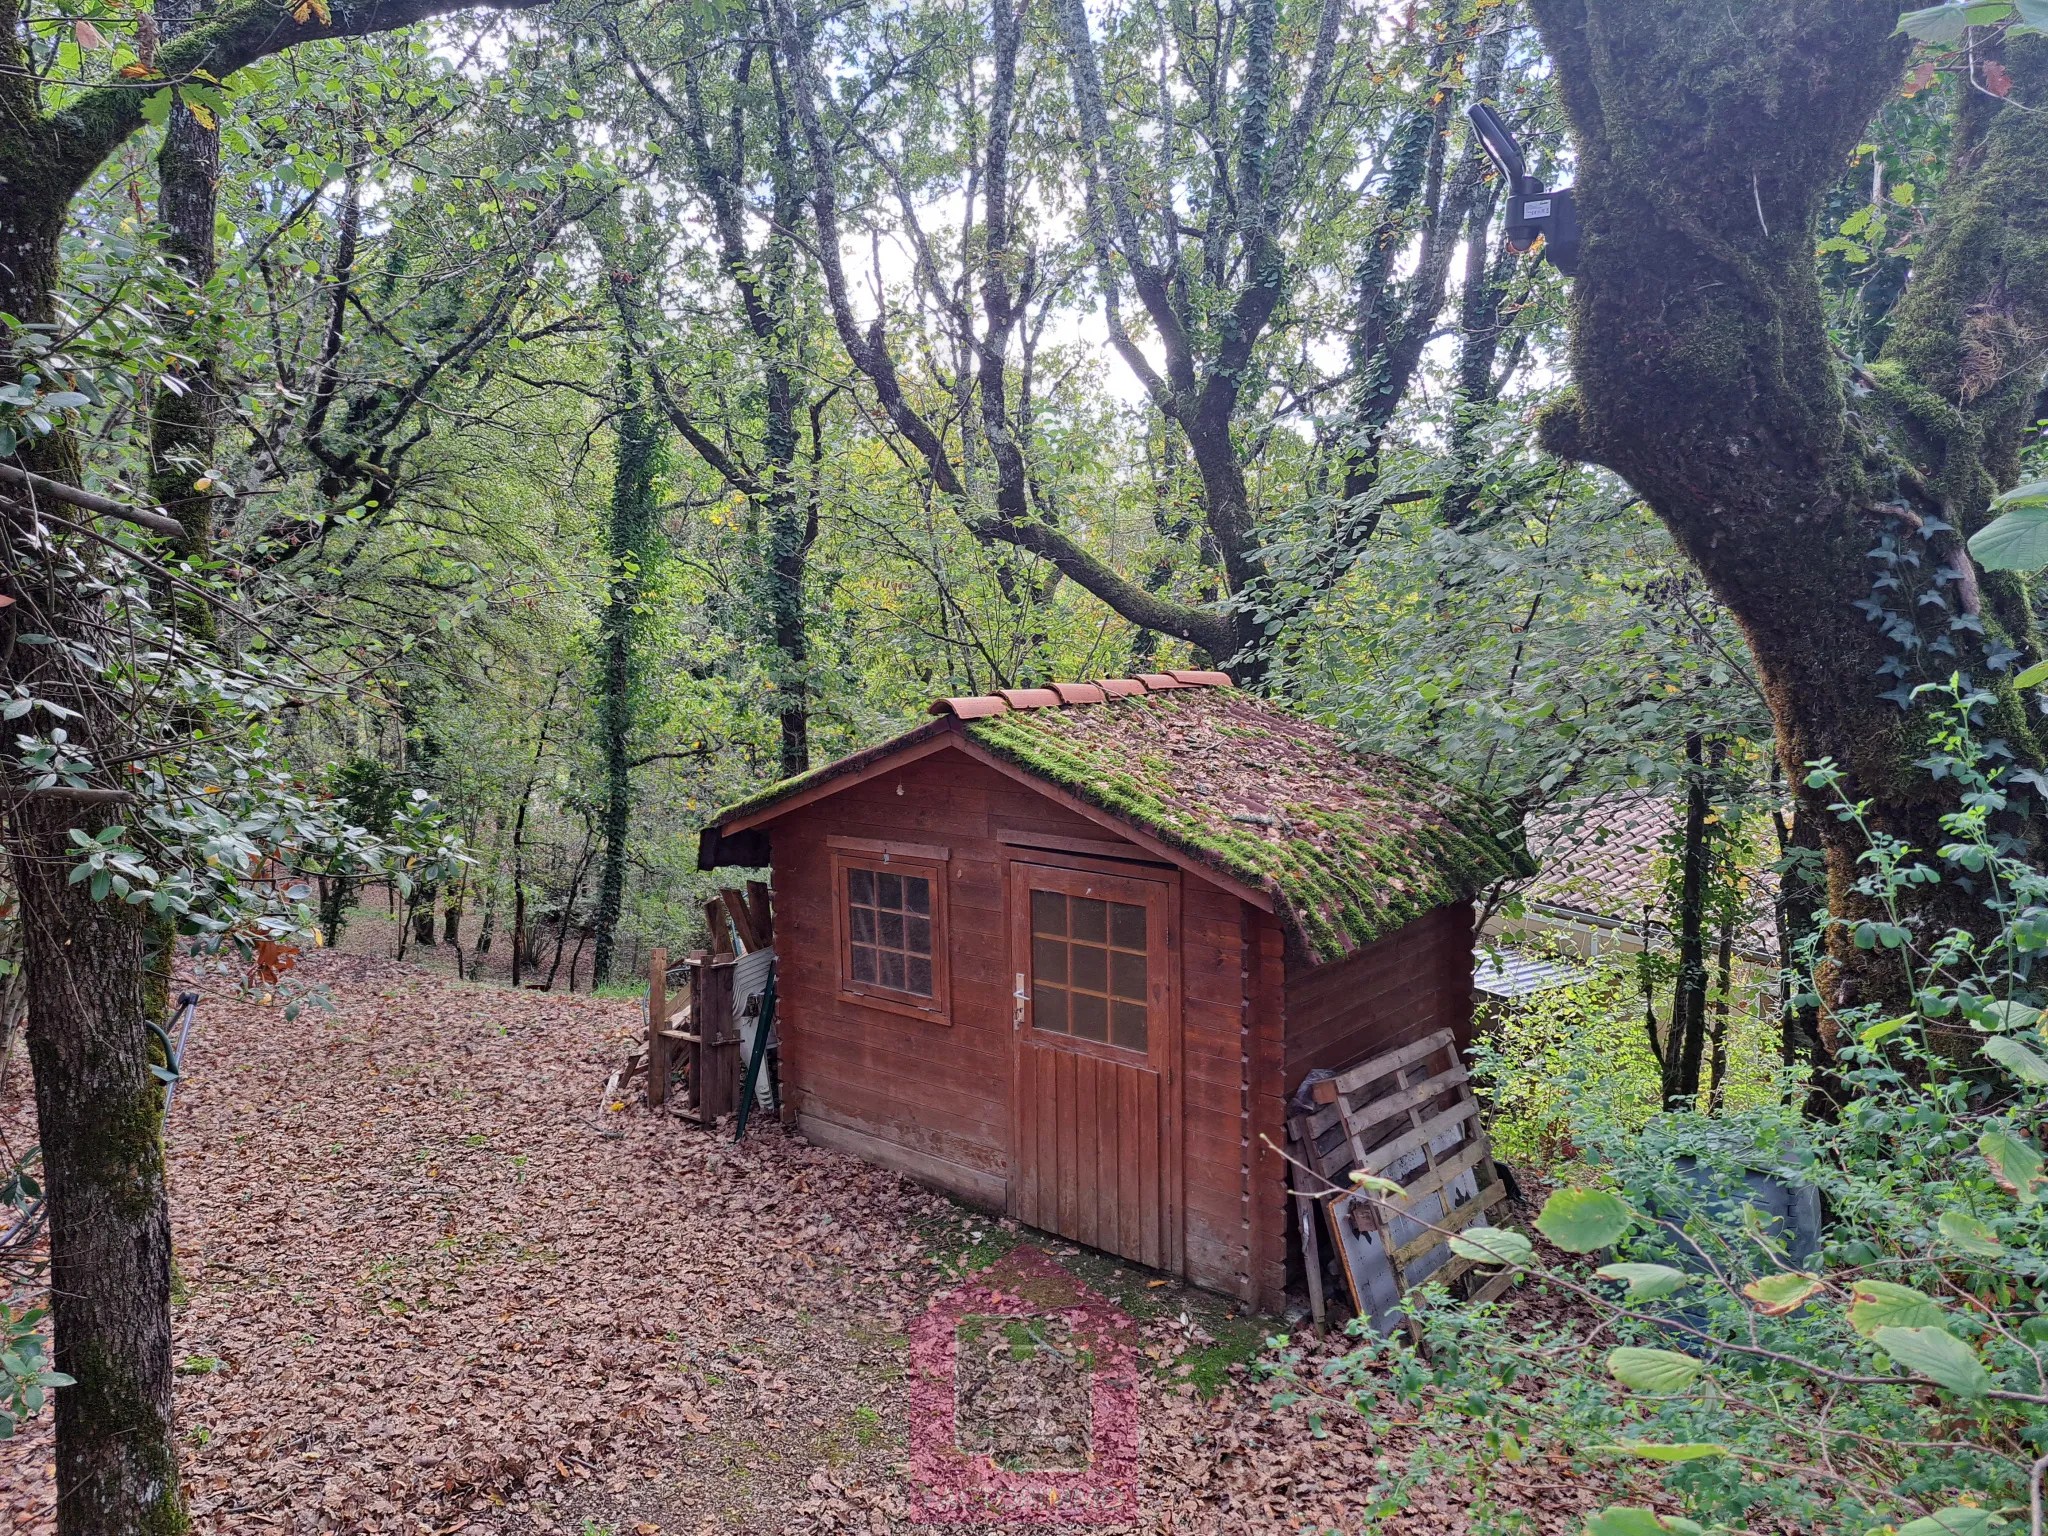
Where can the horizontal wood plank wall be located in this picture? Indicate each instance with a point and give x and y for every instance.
(1415, 980)
(937, 1094)
(1215, 1056)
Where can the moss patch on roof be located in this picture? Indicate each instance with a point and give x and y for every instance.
(1349, 846)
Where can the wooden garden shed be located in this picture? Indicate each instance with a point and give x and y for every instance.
(1066, 951)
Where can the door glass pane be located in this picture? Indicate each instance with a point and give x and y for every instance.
(1091, 1015)
(1048, 912)
(1091, 919)
(1126, 926)
(1090, 966)
(1127, 1025)
(1049, 1009)
(1127, 975)
(1048, 960)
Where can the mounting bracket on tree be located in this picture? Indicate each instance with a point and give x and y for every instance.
(1531, 210)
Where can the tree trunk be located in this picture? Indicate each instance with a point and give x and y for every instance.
(629, 538)
(99, 1113)
(185, 407)
(1707, 136)
(1687, 1042)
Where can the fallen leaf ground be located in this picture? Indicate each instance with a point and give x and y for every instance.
(428, 1282)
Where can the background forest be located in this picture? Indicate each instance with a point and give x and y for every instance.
(611, 422)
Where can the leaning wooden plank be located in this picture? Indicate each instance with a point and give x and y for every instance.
(1355, 1078)
(657, 1011)
(1495, 1288)
(721, 931)
(1363, 1117)
(763, 914)
(1385, 1155)
(1311, 1247)
(1457, 1221)
(742, 919)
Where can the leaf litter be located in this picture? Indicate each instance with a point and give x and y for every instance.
(419, 1290)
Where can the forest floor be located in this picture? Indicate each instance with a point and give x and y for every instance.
(428, 1282)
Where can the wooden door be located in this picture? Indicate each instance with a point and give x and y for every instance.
(1096, 1096)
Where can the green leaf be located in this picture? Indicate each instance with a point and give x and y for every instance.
(1776, 1295)
(2022, 1063)
(2033, 13)
(1653, 1370)
(2007, 1014)
(156, 107)
(1880, 1304)
(1956, 1520)
(2034, 490)
(2016, 541)
(1373, 1184)
(1974, 1237)
(1582, 1220)
(1938, 1355)
(1622, 1521)
(1947, 23)
(1646, 1282)
(1493, 1245)
(2037, 674)
(1695, 1451)
(2014, 1164)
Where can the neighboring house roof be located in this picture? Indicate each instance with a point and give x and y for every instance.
(1504, 973)
(1600, 858)
(1343, 846)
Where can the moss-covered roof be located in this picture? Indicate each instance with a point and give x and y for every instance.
(1348, 846)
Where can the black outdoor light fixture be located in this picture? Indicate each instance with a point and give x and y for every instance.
(1531, 210)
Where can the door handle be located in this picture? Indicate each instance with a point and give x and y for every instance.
(1022, 997)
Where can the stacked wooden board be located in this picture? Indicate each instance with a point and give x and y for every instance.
(1408, 1115)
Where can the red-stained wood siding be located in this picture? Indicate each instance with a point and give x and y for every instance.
(1398, 989)
(929, 1098)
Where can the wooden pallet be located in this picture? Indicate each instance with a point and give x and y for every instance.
(1408, 1115)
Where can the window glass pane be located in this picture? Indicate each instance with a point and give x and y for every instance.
(918, 976)
(1091, 1017)
(889, 925)
(917, 935)
(1090, 968)
(1127, 975)
(1048, 912)
(1049, 1009)
(861, 924)
(1048, 960)
(1127, 1025)
(1126, 925)
(889, 891)
(892, 968)
(863, 963)
(917, 894)
(1091, 920)
(860, 887)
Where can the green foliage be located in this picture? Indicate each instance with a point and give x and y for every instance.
(1893, 1377)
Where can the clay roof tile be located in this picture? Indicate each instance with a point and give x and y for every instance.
(1159, 682)
(1078, 693)
(1120, 687)
(1206, 679)
(1030, 698)
(981, 707)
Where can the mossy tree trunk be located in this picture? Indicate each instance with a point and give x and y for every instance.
(99, 1109)
(629, 538)
(1708, 133)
